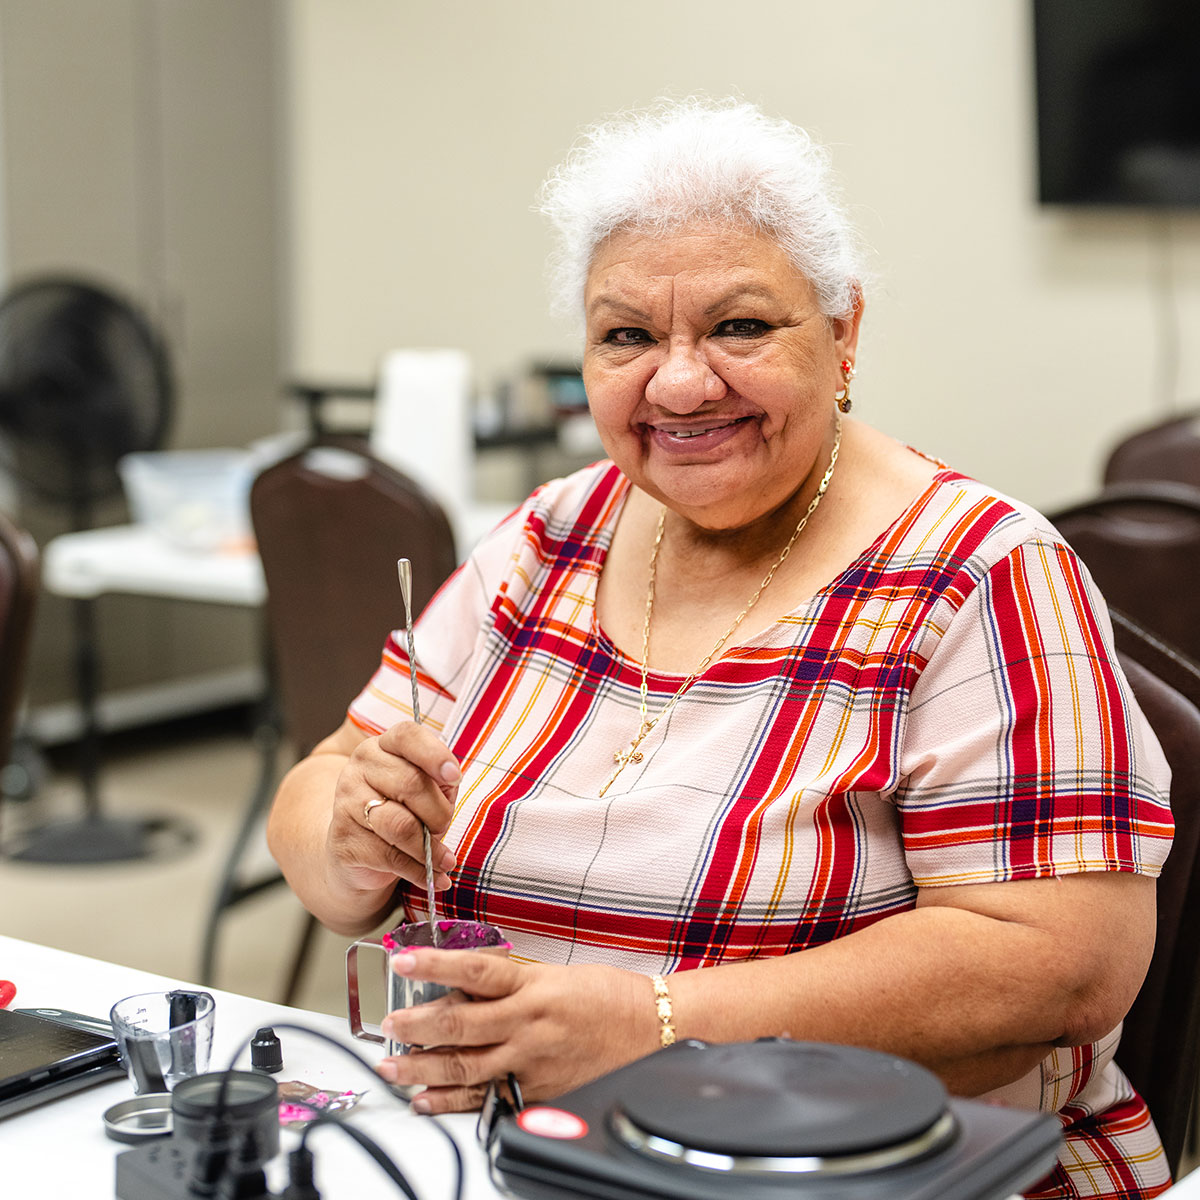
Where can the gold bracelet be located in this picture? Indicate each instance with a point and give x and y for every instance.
(666, 1015)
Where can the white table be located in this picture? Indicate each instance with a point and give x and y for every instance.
(133, 559)
(1188, 1188)
(60, 1150)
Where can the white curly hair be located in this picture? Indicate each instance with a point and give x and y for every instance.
(657, 169)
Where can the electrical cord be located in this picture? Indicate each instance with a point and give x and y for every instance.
(300, 1184)
(372, 1148)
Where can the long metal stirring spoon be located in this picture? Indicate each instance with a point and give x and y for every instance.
(404, 570)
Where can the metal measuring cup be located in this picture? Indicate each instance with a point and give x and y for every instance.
(401, 991)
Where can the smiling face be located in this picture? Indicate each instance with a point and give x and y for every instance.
(710, 370)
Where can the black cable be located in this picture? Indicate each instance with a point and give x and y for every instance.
(300, 1184)
(247, 1177)
(366, 1066)
(372, 1147)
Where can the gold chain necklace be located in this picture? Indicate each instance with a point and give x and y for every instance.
(634, 754)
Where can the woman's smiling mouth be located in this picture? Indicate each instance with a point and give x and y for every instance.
(696, 437)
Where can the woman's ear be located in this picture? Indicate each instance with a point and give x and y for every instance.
(845, 327)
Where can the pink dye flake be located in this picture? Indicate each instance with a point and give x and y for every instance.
(301, 1103)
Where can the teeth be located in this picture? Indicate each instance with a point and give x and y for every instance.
(691, 433)
(683, 434)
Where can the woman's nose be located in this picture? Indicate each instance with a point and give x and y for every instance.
(684, 381)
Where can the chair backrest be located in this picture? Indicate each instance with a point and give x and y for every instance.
(1164, 452)
(1160, 1043)
(330, 522)
(1141, 542)
(1160, 658)
(19, 579)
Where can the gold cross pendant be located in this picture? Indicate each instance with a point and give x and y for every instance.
(633, 754)
(613, 777)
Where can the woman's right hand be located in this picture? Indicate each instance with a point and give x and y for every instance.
(370, 845)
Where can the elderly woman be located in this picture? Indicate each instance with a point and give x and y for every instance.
(768, 716)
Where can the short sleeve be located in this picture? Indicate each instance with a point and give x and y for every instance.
(446, 636)
(1025, 754)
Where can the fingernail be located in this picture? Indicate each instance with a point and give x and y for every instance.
(446, 860)
(387, 1070)
(421, 1105)
(451, 773)
(404, 962)
(386, 1028)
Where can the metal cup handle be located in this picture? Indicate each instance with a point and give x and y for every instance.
(355, 1009)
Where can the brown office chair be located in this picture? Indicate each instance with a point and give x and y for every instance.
(19, 579)
(1169, 451)
(1160, 1043)
(330, 522)
(1141, 542)
(1160, 658)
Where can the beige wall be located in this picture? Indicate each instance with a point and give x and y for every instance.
(139, 149)
(1013, 341)
(139, 142)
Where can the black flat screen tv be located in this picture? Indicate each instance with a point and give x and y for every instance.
(1118, 102)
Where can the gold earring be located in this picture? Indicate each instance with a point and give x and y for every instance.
(843, 397)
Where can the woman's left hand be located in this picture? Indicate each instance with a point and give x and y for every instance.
(553, 1027)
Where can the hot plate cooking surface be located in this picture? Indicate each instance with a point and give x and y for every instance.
(767, 1120)
(782, 1099)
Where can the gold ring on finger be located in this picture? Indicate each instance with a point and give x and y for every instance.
(370, 807)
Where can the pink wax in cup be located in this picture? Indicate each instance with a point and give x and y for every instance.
(402, 991)
(451, 935)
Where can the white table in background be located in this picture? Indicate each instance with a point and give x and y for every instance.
(59, 1151)
(134, 560)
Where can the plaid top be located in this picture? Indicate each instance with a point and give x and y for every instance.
(947, 710)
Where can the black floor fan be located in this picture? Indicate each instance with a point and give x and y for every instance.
(84, 380)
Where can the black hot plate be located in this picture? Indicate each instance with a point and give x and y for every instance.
(770, 1119)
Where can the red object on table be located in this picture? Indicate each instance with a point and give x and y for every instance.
(8, 992)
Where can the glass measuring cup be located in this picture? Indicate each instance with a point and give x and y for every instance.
(163, 1037)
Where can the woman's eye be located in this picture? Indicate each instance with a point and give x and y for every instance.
(741, 327)
(627, 337)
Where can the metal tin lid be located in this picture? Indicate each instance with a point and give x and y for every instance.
(139, 1119)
